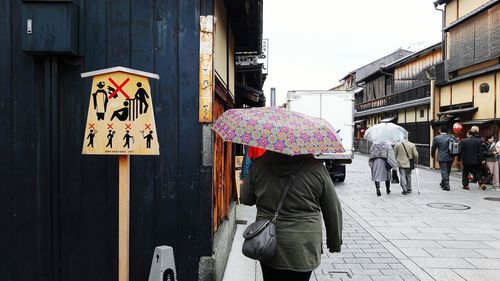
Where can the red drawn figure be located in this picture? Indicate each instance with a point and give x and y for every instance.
(100, 101)
(118, 88)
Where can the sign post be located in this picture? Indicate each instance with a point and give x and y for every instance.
(123, 217)
(120, 121)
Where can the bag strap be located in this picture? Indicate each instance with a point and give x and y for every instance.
(289, 183)
(404, 147)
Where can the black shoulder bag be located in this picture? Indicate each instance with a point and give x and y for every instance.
(412, 161)
(260, 236)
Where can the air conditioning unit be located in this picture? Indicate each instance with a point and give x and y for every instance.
(441, 72)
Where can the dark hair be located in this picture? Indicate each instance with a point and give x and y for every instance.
(443, 129)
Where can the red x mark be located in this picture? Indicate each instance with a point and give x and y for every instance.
(128, 126)
(110, 126)
(119, 88)
(91, 126)
(147, 126)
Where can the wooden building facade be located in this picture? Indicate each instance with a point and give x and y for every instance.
(467, 88)
(59, 208)
(399, 92)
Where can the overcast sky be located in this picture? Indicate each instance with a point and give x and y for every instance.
(312, 44)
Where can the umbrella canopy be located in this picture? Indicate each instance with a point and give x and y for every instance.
(278, 129)
(386, 132)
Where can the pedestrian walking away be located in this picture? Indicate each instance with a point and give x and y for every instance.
(472, 154)
(298, 226)
(491, 161)
(381, 161)
(444, 158)
(406, 157)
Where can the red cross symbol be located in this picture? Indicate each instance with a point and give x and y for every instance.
(128, 126)
(118, 88)
(91, 126)
(110, 126)
(147, 126)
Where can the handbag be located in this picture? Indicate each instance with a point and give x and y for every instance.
(260, 237)
(395, 178)
(412, 161)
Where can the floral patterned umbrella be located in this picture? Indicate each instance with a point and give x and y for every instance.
(278, 129)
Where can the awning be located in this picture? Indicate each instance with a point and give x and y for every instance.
(443, 120)
(388, 119)
(478, 122)
(250, 96)
(459, 111)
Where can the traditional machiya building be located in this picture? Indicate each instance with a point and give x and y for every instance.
(466, 88)
(368, 94)
(59, 208)
(399, 92)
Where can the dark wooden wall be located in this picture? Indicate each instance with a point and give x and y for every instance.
(375, 88)
(476, 40)
(58, 209)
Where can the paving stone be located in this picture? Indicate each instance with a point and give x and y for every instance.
(453, 253)
(484, 263)
(444, 275)
(479, 275)
(442, 263)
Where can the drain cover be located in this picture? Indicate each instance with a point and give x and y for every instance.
(492, 198)
(339, 274)
(448, 206)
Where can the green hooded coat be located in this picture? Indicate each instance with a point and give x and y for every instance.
(299, 227)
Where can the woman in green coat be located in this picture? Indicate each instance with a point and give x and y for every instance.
(299, 227)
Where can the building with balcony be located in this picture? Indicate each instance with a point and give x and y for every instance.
(466, 88)
(398, 91)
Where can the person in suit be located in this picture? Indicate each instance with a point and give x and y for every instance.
(444, 158)
(472, 155)
(404, 151)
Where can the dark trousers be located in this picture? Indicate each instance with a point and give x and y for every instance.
(271, 274)
(445, 167)
(474, 170)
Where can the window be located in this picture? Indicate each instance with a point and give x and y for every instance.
(421, 113)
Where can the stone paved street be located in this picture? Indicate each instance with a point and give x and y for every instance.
(398, 237)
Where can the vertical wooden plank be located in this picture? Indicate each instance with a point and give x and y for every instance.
(193, 212)
(124, 217)
(166, 200)
(97, 196)
(143, 182)
(6, 192)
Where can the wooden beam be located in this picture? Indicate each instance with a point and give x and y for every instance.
(123, 217)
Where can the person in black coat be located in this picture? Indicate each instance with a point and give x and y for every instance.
(472, 155)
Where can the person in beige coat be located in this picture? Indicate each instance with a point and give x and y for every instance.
(404, 151)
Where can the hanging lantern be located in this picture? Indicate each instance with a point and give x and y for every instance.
(362, 131)
(457, 127)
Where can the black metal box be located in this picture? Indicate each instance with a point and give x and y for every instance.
(49, 28)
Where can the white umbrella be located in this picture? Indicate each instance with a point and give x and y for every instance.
(386, 132)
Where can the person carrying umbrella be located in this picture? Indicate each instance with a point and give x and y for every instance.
(381, 162)
(290, 139)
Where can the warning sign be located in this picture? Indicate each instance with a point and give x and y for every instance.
(120, 119)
